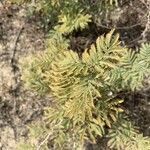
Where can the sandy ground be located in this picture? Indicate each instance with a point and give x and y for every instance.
(19, 38)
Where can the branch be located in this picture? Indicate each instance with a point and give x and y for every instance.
(43, 142)
(120, 28)
(147, 26)
(15, 45)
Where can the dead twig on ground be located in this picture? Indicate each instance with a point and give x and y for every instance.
(15, 85)
(120, 28)
(15, 44)
(147, 26)
(1, 2)
(43, 142)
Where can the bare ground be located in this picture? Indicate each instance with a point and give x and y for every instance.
(19, 38)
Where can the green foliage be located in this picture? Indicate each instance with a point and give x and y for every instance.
(65, 16)
(38, 132)
(79, 85)
(71, 22)
(50, 136)
(35, 72)
(84, 89)
(133, 69)
(123, 136)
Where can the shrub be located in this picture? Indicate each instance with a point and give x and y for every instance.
(123, 135)
(65, 16)
(84, 90)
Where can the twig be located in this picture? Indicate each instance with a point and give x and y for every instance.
(135, 40)
(15, 45)
(1, 1)
(43, 142)
(120, 28)
(3, 54)
(147, 26)
(15, 85)
(145, 3)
